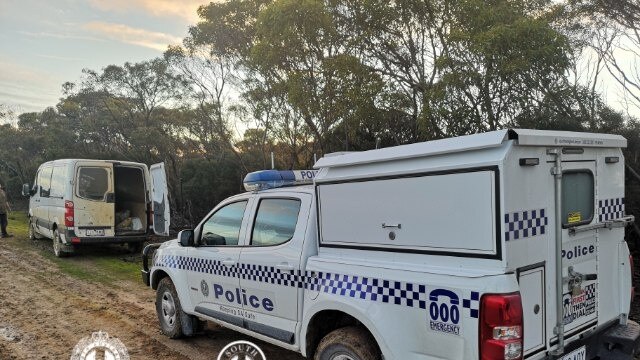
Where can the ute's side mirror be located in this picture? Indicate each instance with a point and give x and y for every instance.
(186, 238)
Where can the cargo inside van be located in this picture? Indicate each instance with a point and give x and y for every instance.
(130, 200)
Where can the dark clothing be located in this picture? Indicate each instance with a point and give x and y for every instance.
(3, 224)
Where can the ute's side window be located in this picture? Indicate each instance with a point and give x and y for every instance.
(44, 180)
(275, 221)
(577, 197)
(223, 227)
(93, 183)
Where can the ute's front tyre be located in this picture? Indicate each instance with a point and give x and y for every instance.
(348, 343)
(169, 310)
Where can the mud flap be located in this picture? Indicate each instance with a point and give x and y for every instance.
(621, 342)
(190, 324)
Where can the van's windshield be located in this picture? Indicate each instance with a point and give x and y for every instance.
(93, 183)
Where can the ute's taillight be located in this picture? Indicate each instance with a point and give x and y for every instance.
(69, 215)
(501, 327)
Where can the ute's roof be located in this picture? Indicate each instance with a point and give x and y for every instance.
(522, 137)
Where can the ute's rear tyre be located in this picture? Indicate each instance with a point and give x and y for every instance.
(348, 343)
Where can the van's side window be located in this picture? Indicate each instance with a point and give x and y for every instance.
(577, 197)
(93, 183)
(44, 180)
(275, 222)
(57, 181)
(223, 227)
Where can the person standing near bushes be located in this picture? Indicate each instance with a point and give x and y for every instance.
(4, 212)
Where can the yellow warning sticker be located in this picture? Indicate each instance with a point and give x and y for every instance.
(575, 217)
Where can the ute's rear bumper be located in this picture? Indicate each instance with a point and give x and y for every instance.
(614, 342)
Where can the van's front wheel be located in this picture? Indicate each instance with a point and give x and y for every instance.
(57, 245)
(33, 234)
(348, 343)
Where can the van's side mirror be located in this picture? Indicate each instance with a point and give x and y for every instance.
(27, 191)
(186, 238)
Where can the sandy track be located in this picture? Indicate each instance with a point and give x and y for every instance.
(44, 313)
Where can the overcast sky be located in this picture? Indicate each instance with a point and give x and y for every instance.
(47, 42)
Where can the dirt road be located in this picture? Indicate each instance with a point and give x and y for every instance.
(47, 306)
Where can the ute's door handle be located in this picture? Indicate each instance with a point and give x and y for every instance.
(285, 267)
(228, 262)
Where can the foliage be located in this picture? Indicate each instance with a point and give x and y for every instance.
(303, 78)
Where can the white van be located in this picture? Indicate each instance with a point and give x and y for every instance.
(77, 202)
(507, 245)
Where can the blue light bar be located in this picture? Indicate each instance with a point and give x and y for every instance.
(270, 179)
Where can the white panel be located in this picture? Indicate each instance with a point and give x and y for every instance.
(160, 199)
(453, 212)
(531, 291)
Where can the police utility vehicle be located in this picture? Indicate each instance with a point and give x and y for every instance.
(503, 245)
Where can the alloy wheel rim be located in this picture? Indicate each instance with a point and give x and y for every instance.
(342, 357)
(168, 309)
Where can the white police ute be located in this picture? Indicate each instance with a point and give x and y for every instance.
(503, 245)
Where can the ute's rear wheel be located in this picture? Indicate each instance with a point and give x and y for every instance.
(348, 343)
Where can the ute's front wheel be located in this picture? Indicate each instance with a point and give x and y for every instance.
(348, 343)
(168, 308)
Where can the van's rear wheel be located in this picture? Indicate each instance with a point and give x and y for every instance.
(57, 245)
(135, 247)
(348, 343)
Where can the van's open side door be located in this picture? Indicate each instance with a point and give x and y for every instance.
(160, 199)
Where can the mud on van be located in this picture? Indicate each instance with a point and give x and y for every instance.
(77, 202)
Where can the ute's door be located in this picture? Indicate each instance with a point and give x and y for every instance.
(580, 246)
(94, 199)
(270, 264)
(213, 269)
(160, 199)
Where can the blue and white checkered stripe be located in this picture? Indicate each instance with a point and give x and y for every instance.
(523, 224)
(610, 209)
(367, 288)
(357, 287)
(472, 304)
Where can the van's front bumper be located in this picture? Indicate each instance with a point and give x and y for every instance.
(613, 342)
